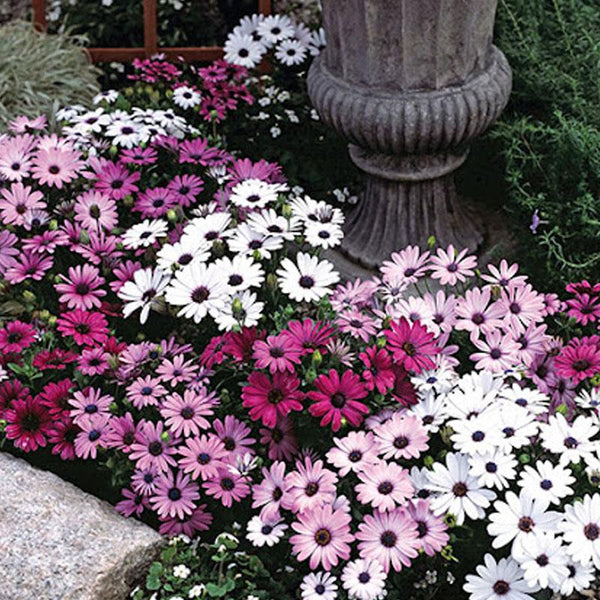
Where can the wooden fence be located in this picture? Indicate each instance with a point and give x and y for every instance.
(189, 53)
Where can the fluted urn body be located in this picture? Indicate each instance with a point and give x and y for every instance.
(409, 83)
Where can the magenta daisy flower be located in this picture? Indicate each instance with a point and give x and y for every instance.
(450, 267)
(122, 433)
(146, 391)
(270, 400)
(356, 452)
(280, 440)
(402, 436)
(185, 188)
(116, 182)
(144, 481)
(151, 449)
(55, 166)
(391, 538)
(199, 520)
(235, 436)
(89, 402)
(431, 529)
(384, 486)
(579, 361)
(323, 536)
(308, 486)
(86, 328)
(277, 353)
(412, 345)
(308, 336)
(203, 456)
(15, 336)
(29, 265)
(198, 152)
(138, 156)
(227, 487)
(268, 493)
(28, 423)
(174, 496)
(94, 429)
(155, 202)
(185, 415)
(133, 503)
(337, 398)
(378, 373)
(55, 397)
(62, 437)
(82, 288)
(96, 211)
(93, 361)
(17, 201)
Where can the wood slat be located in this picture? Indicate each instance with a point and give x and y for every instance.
(150, 27)
(39, 14)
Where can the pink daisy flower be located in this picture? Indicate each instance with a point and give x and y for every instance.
(384, 486)
(503, 276)
(144, 481)
(15, 157)
(235, 436)
(44, 243)
(86, 328)
(308, 335)
(227, 487)
(56, 166)
(185, 415)
(93, 361)
(17, 202)
(116, 182)
(198, 152)
(450, 267)
(96, 211)
(277, 353)
(175, 495)
(357, 324)
(402, 436)
(356, 452)
(199, 520)
(138, 156)
(378, 373)
(176, 371)
(408, 265)
(89, 402)
(122, 432)
(24, 124)
(522, 306)
(146, 391)
(353, 294)
(152, 450)
(203, 456)
(441, 311)
(391, 538)
(185, 188)
(155, 202)
(269, 400)
(133, 503)
(584, 308)
(497, 352)
(268, 493)
(82, 288)
(475, 313)
(29, 265)
(431, 529)
(94, 429)
(308, 486)
(337, 398)
(15, 336)
(8, 250)
(280, 439)
(323, 536)
(412, 345)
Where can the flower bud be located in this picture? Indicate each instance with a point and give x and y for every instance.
(317, 358)
(172, 215)
(286, 211)
(29, 296)
(524, 459)
(381, 342)
(272, 281)
(53, 225)
(128, 200)
(113, 150)
(164, 436)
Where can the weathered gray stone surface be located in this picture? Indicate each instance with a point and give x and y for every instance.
(59, 543)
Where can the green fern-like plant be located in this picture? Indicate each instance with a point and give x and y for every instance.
(40, 71)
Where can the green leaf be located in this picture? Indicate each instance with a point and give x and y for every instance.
(152, 582)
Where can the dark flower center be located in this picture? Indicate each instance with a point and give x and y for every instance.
(277, 494)
(496, 353)
(364, 577)
(266, 529)
(243, 53)
(388, 539)
(546, 484)
(91, 408)
(581, 365)
(155, 448)
(338, 400)
(200, 294)
(227, 484)
(311, 488)
(591, 531)
(229, 443)
(409, 349)
(174, 494)
(277, 352)
(491, 467)
(478, 436)
(275, 396)
(571, 443)
(385, 488)
(306, 282)
(203, 458)
(322, 537)
(30, 422)
(501, 587)
(187, 412)
(515, 308)
(93, 435)
(236, 280)
(82, 289)
(422, 528)
(401, 442)
(542, 560)
(355, 456)
(478, 318)
(54, 169)
(116, 184)
(460, 489)
(526, 524)
(128, 438)
(185, 259)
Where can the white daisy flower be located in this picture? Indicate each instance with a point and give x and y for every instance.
(186, 97)
(494, 470)
(479, 435)
(307, 279)
(262, 533)
(144, 234)
(547, 481)
(109, 96)
(571, 441)
(589, 400)
(242, 309)
(580, 578)
(90, 122)
(210, 227)
(502, 580)
(459, 493)
(248, 25)
(275, 131)
(517, 424)
(323, 235)
(420, 481)
(533, 400)
(197, 591)
(364, 579)
(440, 380)
(581, 530)
(275, 28)
(269, 223)
(319, 586)
(466, 401)
(317, 42)
(188, 249)
(240, 272)
(302, 33)
(198, 289)
(291, 52)
(431, 410)
(3, 373)
(255, 193)
(241, 49)
(543, 560)
(519, 517)
(246, 241)
(126, 133)
(143, 292)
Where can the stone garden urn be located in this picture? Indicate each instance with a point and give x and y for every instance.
(409, 83)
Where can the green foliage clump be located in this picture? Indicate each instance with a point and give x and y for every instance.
(550, 134)
(39, 71)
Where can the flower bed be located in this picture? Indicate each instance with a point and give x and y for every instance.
(167, 318)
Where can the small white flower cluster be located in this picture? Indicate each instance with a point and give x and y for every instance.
(95, 129)
(291, 43)
(190, 276)
(519, 472)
